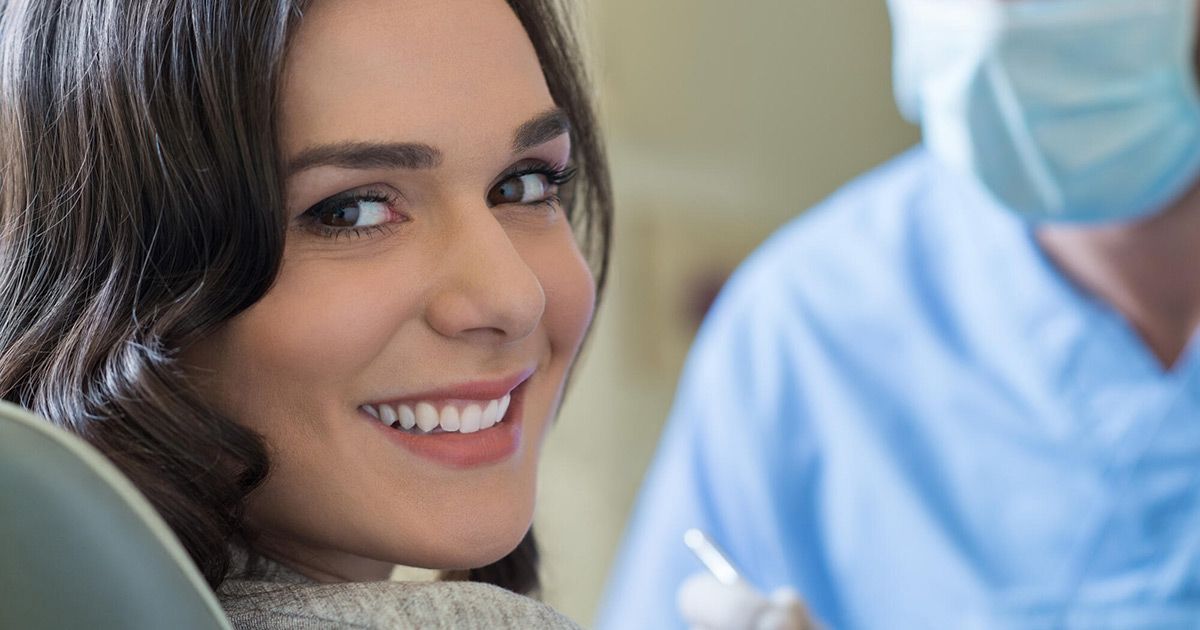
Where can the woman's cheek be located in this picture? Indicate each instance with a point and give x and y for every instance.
(321, 325)
(570, 297)
(344, 309)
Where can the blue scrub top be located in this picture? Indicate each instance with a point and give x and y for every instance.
(900, 407)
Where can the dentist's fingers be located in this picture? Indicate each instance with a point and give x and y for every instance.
(785, 612)
(706, 603)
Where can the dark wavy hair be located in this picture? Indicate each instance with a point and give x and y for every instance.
(141, 207)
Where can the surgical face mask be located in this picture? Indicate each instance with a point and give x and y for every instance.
(1066, 110)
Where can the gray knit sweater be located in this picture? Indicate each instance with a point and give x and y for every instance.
(277, 597)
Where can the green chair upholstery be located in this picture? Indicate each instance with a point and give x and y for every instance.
(79, 545)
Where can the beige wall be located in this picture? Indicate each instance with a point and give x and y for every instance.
(724, 120)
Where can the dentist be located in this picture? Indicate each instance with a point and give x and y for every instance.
(964, 392)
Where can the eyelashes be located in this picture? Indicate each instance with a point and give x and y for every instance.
(556, 175)
(376, 210)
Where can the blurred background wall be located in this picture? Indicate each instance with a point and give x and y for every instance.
(724, 120)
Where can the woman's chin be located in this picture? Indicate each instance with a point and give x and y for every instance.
(484, 550)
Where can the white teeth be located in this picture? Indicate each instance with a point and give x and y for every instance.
(471, 417)
(408, 418)
(503, 407)
(450, 420)
(490, 414)
(427, 417)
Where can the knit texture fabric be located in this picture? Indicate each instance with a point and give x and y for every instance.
(274, 597)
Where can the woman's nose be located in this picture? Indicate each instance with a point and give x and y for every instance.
(485, 291)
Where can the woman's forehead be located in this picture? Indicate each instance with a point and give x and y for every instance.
(457, 74)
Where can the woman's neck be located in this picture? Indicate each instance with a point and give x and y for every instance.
(1149, 271)
(325, 566)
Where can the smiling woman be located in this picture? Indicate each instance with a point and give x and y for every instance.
(313, 275)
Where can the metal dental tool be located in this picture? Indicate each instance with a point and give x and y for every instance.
(711, 556)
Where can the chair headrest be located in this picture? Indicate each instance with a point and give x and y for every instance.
(80, 547)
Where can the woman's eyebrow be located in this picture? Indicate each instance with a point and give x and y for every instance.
(415, 156)
(540, 129)
(367, 155)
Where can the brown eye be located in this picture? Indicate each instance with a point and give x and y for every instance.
(340, 217)
(357, 211)
(527, 188)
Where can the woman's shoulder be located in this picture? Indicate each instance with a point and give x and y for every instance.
(263, 605)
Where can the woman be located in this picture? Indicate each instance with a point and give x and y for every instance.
(307, 272)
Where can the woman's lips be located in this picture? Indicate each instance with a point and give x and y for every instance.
(458, 432)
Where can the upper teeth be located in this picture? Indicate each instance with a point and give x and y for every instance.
(450, 417)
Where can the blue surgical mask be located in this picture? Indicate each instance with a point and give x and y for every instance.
(1063, 110)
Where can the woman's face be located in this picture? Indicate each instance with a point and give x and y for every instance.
(429, 277)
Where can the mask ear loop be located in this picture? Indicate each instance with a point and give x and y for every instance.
(1089, 544)
(1033, 162)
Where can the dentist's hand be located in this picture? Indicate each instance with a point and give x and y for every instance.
(707, 604)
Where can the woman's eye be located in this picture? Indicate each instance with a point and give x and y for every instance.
(354, 213)
(527, 188)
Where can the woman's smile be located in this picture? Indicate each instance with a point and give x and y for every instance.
(471, 424)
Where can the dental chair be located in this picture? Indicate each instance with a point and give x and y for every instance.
(79, 545)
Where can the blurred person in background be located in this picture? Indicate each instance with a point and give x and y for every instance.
(960, 393)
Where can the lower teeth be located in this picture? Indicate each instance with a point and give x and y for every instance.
(417, 430)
